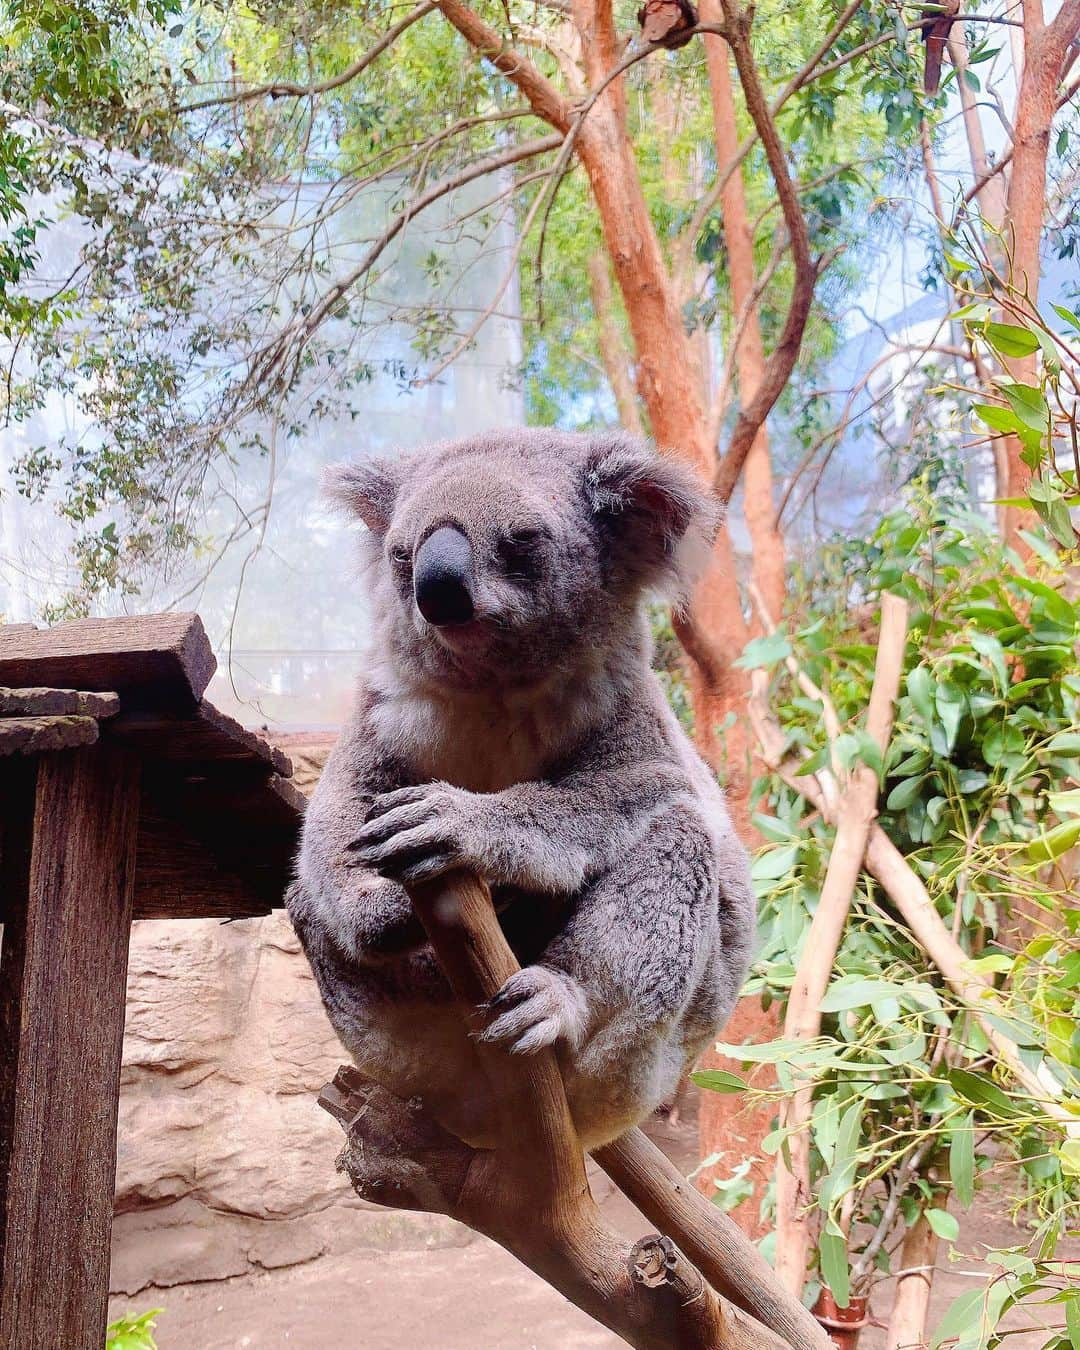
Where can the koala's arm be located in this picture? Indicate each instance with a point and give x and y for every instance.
(366, 917)
(657, 944)
(551, 836)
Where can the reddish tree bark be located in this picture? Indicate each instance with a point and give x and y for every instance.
(730, 1130)
(612, 351)
(1045, 47)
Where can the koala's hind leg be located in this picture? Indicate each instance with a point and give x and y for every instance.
(640, 954)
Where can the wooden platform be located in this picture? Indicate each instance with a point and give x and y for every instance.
(123, 794)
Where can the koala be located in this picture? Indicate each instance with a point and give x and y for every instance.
(508, 721)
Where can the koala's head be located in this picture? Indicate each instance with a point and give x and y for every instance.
(506, 555)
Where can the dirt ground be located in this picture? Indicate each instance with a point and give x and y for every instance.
(474, 1297)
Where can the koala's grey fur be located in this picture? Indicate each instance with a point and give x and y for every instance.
(537, 748)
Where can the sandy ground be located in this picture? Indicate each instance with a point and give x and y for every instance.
(463, 1298)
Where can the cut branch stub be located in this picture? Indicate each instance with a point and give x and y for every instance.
(653, 1260)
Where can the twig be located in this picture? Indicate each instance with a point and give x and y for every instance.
(286, 89)
(782, 358)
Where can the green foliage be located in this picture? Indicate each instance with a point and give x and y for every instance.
(1036, 402)
(978, 792)
(133, 1332)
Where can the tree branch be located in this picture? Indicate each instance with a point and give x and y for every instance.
(1065, 25)
(712, 1240)
(543, 96)
(781, 360)
(529, 1193)
(854, 815)
(810, 71)
(286, 89)
(267, 363)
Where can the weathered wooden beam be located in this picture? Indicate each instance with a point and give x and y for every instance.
(162, 661)
(206, 737)
(41, 702)
(70, 920)
(35, 735)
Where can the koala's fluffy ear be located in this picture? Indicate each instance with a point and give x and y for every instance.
(364, 488)
(658, 517)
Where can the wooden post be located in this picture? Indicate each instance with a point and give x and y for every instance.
(67, 917)
(18, 780)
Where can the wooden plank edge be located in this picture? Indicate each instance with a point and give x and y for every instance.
(39, 701)
(137, 655)
(37, 735)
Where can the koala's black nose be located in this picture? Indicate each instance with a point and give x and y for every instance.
(443, 576)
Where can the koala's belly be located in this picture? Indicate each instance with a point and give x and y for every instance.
(421, 1050)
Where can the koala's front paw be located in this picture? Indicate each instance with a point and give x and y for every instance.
(417, 833)
(536, 1007)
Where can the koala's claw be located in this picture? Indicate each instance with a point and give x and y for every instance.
(388, 801)
(535, 1008)
(413, 834)
(414, 855)
(377, 829)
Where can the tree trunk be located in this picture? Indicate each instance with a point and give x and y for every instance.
(668, 378)
(729, 1129)
(1035, 107)
(991, 196)
(911, 1301)
(612, 351)
(998, 447)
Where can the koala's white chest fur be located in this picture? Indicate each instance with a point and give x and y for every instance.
(482, 743)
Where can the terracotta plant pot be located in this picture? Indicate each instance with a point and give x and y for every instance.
(842, 1324)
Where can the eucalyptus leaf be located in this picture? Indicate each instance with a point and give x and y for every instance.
(764, 651)
(718, 1080)
(943, 1223)
(833, 1260)
(1009, 339)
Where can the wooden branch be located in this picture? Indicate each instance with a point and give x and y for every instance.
(887, 864)
(491, 164)
(781, 361)
(530, 1193)
(811, 71)
(543, 96)
(855, 813)
(711, 1239)
(613, 352)
(1064, 28)
(911, 1298)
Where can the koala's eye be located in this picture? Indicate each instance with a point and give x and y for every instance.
(400, 553)
(520, 553)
